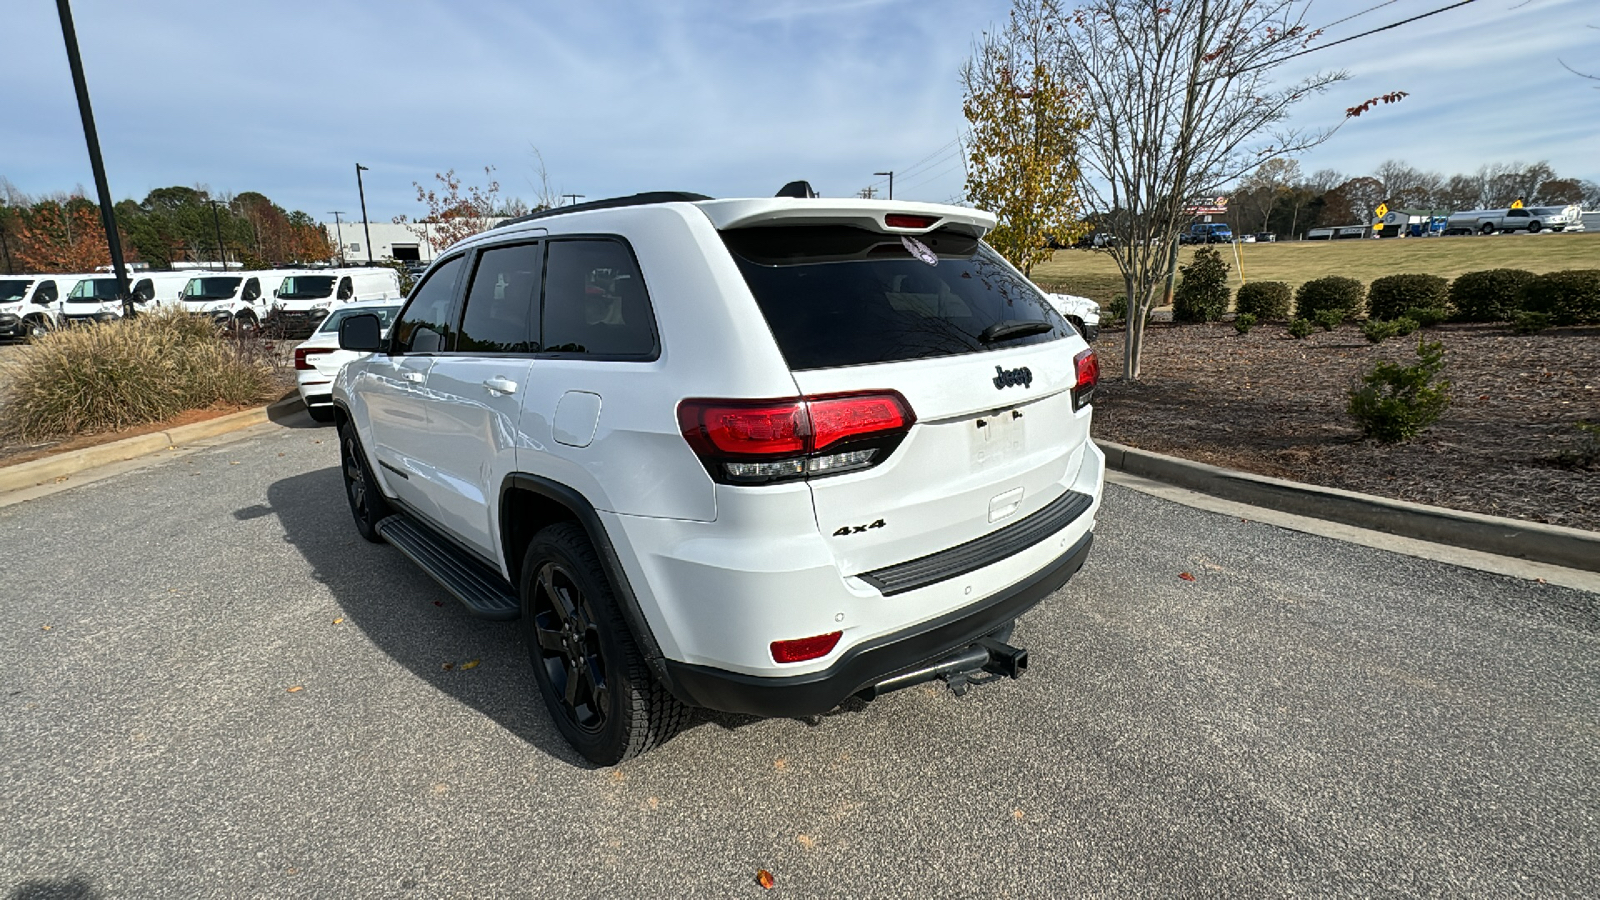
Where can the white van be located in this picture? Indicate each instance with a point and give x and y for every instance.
(306, 298)
(232, 300)
(152, 290)
(30, 305)
(94, 297)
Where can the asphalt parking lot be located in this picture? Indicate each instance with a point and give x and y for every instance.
(213, 688)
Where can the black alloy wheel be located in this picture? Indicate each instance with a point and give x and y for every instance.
(568, 646)
(367, 504)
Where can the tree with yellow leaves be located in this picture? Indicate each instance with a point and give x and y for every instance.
(1022, 140)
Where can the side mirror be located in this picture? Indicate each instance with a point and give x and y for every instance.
(274, 292)
(362, 333)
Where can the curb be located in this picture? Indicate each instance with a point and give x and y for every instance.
(1553, 544)
(28, 474)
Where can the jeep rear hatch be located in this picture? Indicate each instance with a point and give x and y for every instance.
(984, 363)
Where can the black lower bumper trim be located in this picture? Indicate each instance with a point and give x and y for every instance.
(872, 662)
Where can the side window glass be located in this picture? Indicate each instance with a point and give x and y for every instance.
(594, 301)
(424, 326)
(345, 291)
(47, 293)
(143, 291)
(502, 304)
(252, 290)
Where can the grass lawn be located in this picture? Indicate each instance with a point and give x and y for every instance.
(1093, 274)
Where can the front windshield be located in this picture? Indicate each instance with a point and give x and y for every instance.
(210, 288)
(385, 315)
(306, 287)
(93, 290)
(12, 291)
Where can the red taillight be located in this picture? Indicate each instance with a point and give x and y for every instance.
(903, 220)
(803, 649)
(300, 354)
(1088, 370)
(760, 441)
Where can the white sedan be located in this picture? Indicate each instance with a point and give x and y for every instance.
(319, 359)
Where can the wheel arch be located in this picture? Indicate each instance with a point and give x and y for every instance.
(531, 502)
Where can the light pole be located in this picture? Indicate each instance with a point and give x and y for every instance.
(891, 182)
(222, 254)
(108, 215)
(338, 229)
(364, 229)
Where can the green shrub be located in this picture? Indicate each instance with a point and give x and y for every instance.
(1377, 330)
(1333, 293)
(1492, 295)
(1427, 318)
(1243, 322)
(1328, 319)
(1390, 296)
(1568, 298)
(1586, 453)
(1530, 322)
(1202, 295)
(1394, 403)
(1299, 328)
(1268, 301)
(1116, 310)
(1404, 326)
(130, 372)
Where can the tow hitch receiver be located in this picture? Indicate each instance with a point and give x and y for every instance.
(960, 669)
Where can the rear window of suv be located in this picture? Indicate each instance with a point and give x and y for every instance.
(840, 296)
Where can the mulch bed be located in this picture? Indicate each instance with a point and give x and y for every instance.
(1270, 404)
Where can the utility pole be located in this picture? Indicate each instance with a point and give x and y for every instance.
(891, 182)
(338, 228)
(108, 215)
(364, 227)
(574, 198)
(222, 253)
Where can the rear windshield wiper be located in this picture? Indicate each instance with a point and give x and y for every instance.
(1013, 328)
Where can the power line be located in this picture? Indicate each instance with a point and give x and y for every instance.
(1281, 59)
(1357, 15)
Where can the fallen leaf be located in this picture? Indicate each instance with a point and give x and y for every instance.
(339, 621)
(654, 802)
(234, 463)
(806, 841)
(470, 664)
(47, 627)
(1540, 580)
(1016, 814)
(448, 666)
(1185, 576)
(438, 603)
(780, 763)
(765, 879)
(296, 689)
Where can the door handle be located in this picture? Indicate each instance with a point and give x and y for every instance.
(501, 385)
(414, 377)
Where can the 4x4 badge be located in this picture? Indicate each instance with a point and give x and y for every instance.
(1004, 378)
(857, 529)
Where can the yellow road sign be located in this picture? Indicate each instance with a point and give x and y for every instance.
(1382, 210)
(1518, 204)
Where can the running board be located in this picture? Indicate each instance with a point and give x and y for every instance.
(478, 587)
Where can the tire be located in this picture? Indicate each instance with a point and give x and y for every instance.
(36, 327)
(1486, 229)
(367, 503)
(1533, 227)
(245, 325)
(596, 684)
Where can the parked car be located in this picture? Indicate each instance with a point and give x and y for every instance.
(1532, 220)
(1207, 233)
(1083, 313)
(1266, 237)
(30, 305)
(318, 359)
(92, 298)
(304, 299)
(752, 455)
(233, 301)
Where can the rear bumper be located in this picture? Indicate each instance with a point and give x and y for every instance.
(873, 661)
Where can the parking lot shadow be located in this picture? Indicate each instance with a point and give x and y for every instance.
(76, 887)
(409, 617)
(290, 412)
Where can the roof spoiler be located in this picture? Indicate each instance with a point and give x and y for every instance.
(644, 199)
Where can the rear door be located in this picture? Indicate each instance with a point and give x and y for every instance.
(984, 362)
(476, 391)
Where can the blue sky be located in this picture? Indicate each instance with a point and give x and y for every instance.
(724, 98)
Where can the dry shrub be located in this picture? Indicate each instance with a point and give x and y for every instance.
(130, 372)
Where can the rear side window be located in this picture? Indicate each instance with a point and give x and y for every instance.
(502, 304)
(425, 325)
(594, 301)
(840, 296)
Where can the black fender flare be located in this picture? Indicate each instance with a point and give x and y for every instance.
(585, 513)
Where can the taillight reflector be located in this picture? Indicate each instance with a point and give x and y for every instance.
(903, 220)
(1087, 366)
(300, 354)
(802, 649)
(758, 441)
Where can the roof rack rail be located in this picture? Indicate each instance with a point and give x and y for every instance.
(643, 199)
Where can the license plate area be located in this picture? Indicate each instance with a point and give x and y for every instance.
(997, 438)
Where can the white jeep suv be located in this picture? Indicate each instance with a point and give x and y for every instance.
(756, 456)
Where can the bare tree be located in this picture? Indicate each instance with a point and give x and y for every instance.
(1269, 183)
(1181, 102)
(545, 194)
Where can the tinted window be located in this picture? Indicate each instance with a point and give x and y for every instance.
(595, 302)
(210, 288)
(12, 291)
(305, 287)
(252, 290)
(345, 290)
(500, 314)
(424, 327)
(840, 296)
(144, 291)
(94, 289)
(47, 293)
